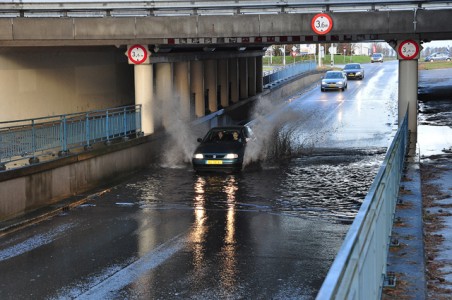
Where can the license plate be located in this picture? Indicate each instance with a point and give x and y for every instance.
(351, 75)
(331, 85)
(214, 162)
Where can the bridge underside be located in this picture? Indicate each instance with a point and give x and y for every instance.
(198, 32)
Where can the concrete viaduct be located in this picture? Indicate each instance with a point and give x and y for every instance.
(205, 55)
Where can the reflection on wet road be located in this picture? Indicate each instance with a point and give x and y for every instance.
(169, 233)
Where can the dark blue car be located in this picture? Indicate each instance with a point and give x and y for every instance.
(222, 149)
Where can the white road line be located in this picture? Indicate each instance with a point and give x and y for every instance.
(132, 272)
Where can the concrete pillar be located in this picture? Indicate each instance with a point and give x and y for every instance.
(143, 95)
(243, 77)
(197, 87)
(408, 81)
(234, 79)
(251, 76)
(259, 74)
(164, 96)
(182, 89)
(223, 82)
(210, 80)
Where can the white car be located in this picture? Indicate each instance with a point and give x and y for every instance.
(334, 80)
(376, 57)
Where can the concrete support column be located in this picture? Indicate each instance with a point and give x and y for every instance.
(143, 95)
(234, 79)
(210, 80)
(197, 87)
(182, 89)
(408, 81)
(223, 82)
(243, 77)
(259, 74)
(163, 94)
(251, 76)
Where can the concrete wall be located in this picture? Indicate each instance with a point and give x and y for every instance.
(35, 186)
(28, 188)
(46, 81)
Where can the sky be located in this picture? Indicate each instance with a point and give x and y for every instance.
(438, 44)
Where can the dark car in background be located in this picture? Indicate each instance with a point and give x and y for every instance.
(376, 57)
(334, 80)
(222, 149)
(354, 71)
(438, 56)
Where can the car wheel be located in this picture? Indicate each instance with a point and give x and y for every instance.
(322, 89)
(448, 59)
(431, 60)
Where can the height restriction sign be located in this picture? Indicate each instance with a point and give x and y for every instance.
(322, 23)
(408, 49)
(138, 54)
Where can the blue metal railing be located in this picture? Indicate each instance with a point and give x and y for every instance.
(26, 138)
(288, 71)
(359, 270)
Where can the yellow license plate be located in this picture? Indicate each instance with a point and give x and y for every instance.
(351, 75)
(214, 162)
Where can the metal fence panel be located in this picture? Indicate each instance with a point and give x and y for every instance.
(286, 72)
(28, 138)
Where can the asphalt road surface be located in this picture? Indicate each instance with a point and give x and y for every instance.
(269, 233)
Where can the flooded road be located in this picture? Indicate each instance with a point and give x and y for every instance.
(270, 233)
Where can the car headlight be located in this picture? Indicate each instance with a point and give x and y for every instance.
(340, 82)
(198, 156)
(323, 82)
(358, 73)
(231, 156)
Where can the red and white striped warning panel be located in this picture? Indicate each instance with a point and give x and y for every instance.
(270, 39)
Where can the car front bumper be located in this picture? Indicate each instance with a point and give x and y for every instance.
(219, 165)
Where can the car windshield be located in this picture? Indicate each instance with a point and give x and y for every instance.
(224, 136)
(333, 75)
(354, 66)
(377, 55)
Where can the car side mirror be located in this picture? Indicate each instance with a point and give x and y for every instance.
(199, 140)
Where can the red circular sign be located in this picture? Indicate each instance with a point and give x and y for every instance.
(408, 49)
(137, 54)
(322, 23)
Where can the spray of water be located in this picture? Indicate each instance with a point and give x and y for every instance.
(279, 133)
(181, 139)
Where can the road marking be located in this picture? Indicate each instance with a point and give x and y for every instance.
(110, 286)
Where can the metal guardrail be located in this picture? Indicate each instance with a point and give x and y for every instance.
(288, 71)
(101, 8)
(28, 138)
(359, 270)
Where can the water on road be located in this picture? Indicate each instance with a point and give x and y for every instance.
(268, 233)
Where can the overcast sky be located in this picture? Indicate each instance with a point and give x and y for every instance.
(433, 44)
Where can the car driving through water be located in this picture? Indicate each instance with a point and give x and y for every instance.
(222, 149)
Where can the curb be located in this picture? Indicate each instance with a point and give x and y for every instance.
(406, 257)
(45, 213)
